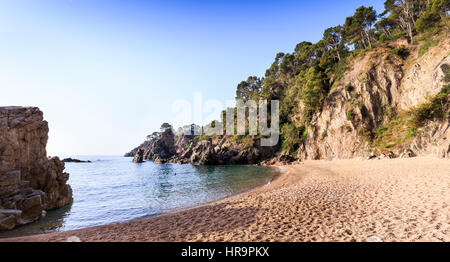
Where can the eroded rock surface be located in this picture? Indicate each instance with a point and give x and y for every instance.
(379, 89)
(139, 156)
(30, 182)
(376, 85)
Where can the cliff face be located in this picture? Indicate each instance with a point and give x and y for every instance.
(379, 85)
(181, 149)
(368, 113)
(30, 182)
(162, 148)
(224, 150)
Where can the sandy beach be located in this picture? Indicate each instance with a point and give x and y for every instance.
(348, 200)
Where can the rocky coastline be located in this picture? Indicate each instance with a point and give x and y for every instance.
(179, 148)
(30, 182)
(366, 115)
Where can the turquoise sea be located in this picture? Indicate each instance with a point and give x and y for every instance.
(112, 189)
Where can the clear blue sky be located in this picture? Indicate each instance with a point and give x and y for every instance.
(106, 72)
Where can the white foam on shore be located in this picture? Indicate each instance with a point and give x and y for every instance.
(282, 170)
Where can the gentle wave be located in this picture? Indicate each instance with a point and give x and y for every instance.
(113, 189)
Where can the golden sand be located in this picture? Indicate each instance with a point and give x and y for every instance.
(348, 200)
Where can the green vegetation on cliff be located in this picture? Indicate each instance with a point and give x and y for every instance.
(301, 80)
(304, 82)
(401, 128)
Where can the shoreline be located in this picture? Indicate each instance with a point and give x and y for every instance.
(278, 170)
(176, 210)
(281, 171)
(343, 200)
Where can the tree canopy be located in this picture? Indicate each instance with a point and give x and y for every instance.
(302, 79)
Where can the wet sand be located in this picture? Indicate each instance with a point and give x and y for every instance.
(348, 200)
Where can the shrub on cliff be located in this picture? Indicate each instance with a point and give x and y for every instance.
(435, 108)
(292, 137)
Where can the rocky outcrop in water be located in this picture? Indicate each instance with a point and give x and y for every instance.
(73, 160)
(162, 148)
(227, 151)
(188, 149)
(139, 156)
(30, 182)
(159, 148)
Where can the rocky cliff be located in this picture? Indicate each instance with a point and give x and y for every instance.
(371, 109)
(226, 150)
(30, 182)
(198, 150)
(391, 101)
(162, 148)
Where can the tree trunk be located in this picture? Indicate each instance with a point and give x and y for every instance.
(363, 41)
(410, 34)
(368, 39)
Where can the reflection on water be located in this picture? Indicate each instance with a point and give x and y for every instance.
(113, 189)
(53, 221)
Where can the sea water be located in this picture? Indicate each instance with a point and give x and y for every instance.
(113, 189)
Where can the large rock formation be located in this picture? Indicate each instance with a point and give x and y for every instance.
(162, 148)
(139, 156)
(30, 182)
(367, 113)
(191, 149)
(377, 85)
(227, 151)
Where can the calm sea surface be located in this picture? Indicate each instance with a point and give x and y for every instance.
(113, 189)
